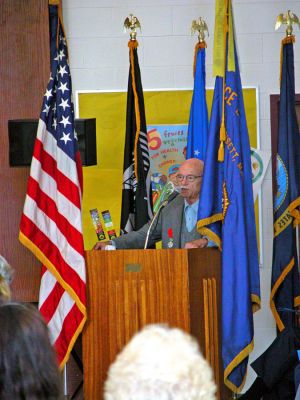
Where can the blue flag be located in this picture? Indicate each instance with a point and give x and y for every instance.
(226, 215)
(198, 123)
(285, 276)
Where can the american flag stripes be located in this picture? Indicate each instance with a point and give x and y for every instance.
(51, 225)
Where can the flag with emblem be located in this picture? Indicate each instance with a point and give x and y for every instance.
(285, 275)
(198, 122)
(136, 193)
(226, 209)
(51, 224)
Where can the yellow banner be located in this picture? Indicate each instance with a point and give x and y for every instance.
(219, 52)
(102, 184)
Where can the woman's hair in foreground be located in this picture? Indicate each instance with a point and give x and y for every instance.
(28, 366)
(160, 363)
(6, 273)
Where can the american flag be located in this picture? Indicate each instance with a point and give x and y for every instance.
(51, 224)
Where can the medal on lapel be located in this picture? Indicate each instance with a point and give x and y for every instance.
(171, 240)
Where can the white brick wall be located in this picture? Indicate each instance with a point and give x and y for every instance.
(99, 60)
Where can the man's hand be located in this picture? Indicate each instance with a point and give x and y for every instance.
(196, 244)
(101, 245)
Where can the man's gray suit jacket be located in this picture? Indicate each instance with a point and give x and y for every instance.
(171, 216)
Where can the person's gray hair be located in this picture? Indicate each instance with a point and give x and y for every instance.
(6, 271)
(160, 363)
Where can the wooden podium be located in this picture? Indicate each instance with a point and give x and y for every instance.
(127, 289)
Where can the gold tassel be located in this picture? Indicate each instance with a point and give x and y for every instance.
(222, 140)
(288, 39)
(199, 45)
(133, 44)
(221, 152)
(296, 215)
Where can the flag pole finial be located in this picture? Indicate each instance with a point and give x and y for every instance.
(131, 23)
(200, 26)
(287, 19)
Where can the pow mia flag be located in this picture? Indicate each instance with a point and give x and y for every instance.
(136, 194)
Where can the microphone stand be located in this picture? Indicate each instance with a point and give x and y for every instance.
(163, 204)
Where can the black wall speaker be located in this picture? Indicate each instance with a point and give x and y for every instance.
(22, 134)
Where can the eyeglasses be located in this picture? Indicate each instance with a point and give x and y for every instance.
(189, 178)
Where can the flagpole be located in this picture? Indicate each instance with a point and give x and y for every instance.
(65, 381)
(225, 44)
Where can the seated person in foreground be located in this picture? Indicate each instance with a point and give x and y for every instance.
(28, 366)
(6, 273)
(275, 368)
(160, 363)
(178, 217)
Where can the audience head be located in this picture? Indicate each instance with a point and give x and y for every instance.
(6, 274)
(160, 363)
(189, 177)
(28, 366)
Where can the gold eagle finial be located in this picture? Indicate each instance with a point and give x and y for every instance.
(132, 23)
(287, 19)
(199, 26)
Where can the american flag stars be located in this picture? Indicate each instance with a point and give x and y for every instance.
(63, 87)
(65, 121)
(64, 104)
(58, 106)
(66, 138)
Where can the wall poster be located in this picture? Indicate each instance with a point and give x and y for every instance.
(167, 115)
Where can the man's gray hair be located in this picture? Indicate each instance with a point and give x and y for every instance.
(160, 363)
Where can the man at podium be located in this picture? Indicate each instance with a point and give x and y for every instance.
(175, 222)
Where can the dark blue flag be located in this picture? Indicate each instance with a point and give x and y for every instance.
(285, 276)
(226, 215)
(198, 123)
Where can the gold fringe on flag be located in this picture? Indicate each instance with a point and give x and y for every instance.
(133, 44)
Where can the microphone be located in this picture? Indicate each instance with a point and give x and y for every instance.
(164, 195)
(171, 196)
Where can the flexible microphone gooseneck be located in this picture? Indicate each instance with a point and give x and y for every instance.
(163, 204)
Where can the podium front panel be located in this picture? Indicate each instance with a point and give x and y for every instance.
(127, 289)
